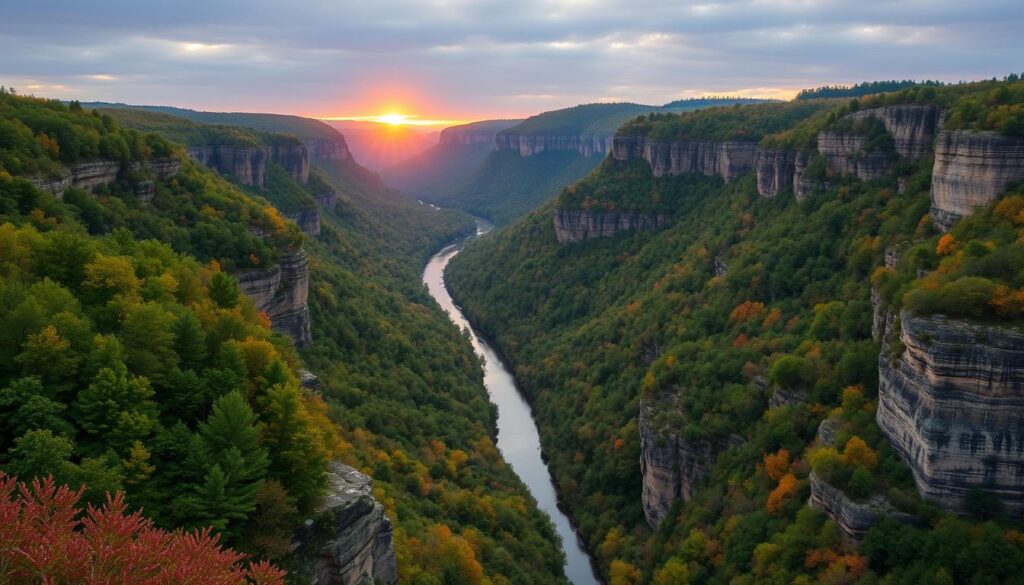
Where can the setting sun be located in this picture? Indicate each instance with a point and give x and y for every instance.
(394, 119)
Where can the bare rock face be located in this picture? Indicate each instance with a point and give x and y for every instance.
(145, 191)
(92, 174)
(845, 155)
(55, 185)
(328, 199)
(971, 169)
(576, 225)
(852, 517)
(529, 145)
(88, 175)
(349, 541)
(294, 158)
(248, 165)
(282, 292)
(671, 466)
(728, 159)
(163, 168)
(307, 219)
(952, 404)
(775, 171)
(327, 149)
(913, 128)
(783, 396)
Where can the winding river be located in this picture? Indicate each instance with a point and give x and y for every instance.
(517, 433)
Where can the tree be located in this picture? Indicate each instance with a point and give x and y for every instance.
(673, 572)
(116, 409)
(40, 453)
(48, 355)
(190, 341)
(857, 453)
(46, 536)
(24, 406)
(224, 290)
(298, 457)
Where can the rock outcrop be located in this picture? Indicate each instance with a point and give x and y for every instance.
(307, 219)
(248, 165)
(328, 199)
(846, 155)
(775, 170)
(912, 127)
(529, 145)
(282, 292)
(576, 225)
(475, 134)
(349, 541)
(294, 158)
(971, 169)
(92, 174)
(952, 404)
(328, 149)
(728, 159)
(853, 518)
(671, 466)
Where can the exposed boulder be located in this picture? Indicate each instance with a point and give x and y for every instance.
(576, 225)
(952, 404)
(971, 169)
(349, 541)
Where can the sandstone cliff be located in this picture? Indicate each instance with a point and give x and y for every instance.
(328, 149)
(282, 292)
(307, 219)
(671, 466)
(971, 169)
(912, 127)
(952, 404)
(529, 145)
(575, 225)
(92, 174)
(476, 133)
(349, 539)
(728, 159)
(852, 517)
(248, 164)
(845, 155)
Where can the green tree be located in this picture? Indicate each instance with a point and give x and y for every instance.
(224, 290)
(25, 406)
(116, 409)
(298, 457)
(39, 453)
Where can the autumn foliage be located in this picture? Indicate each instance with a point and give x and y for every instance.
(782, 493)
(46, 537)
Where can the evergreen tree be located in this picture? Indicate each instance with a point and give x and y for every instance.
(297, 454)
(224, 290)
(190, 341)
(116, 409)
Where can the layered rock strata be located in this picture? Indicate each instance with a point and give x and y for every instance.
(92, 174)
(530, 145)
(913, 128)
(671, 466)
(852, 517)
(576, 225)
(728, 159)
(349, 541)
(845, 155)
(971, 169)
(248, 165)
(308, 220)
(282, 291)
(327, 149)
(294, 158)
(952, 404)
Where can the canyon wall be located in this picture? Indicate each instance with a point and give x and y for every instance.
(845, 155)
(972, 168)
(282, 292)
(92, 174)
(671, 466)
(952, 404)
(328, 199)
(529, 145)
(576, 225)
(728, 159)
(308, 220)
(328, 149)
(349, 541)
(248, 164)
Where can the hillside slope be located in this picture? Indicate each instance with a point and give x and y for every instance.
(711, 324)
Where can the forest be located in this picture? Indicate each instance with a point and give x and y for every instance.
(739, 298)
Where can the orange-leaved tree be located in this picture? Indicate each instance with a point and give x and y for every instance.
(47, 537)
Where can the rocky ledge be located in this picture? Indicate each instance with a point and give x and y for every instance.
(307, 219)
(282, 292)
(728, 159)
(248, 164)
(529, 145)
(971, 169)
(349, 539)
(912, 127)
(575, 225)
(952, 404)
(853, 518)
(671, 466)
(92, 174)
(845, 155)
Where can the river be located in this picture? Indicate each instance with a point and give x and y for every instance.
(517, 433)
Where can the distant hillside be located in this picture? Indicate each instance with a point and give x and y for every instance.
(377, 146)
(529, 162)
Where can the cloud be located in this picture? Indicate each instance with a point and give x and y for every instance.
(473, 58)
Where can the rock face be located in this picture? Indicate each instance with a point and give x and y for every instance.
(294, 158)
(775, 169)
(327, 199)
(728, 159)
(529, 145)
(853, 518)
(248, 165)
(349, 542)
(282, 292)
(913, 128)
(671, 466)
(307, 219)
(576, 226)
(92, 174)
(952, 404)
(328, 149)
(845, 155)
(971, 169)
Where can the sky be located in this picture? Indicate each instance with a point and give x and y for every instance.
(461, 60)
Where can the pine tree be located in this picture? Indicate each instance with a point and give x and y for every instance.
(224, 290)
(297, 453)
(116, 409)
(190, 341)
